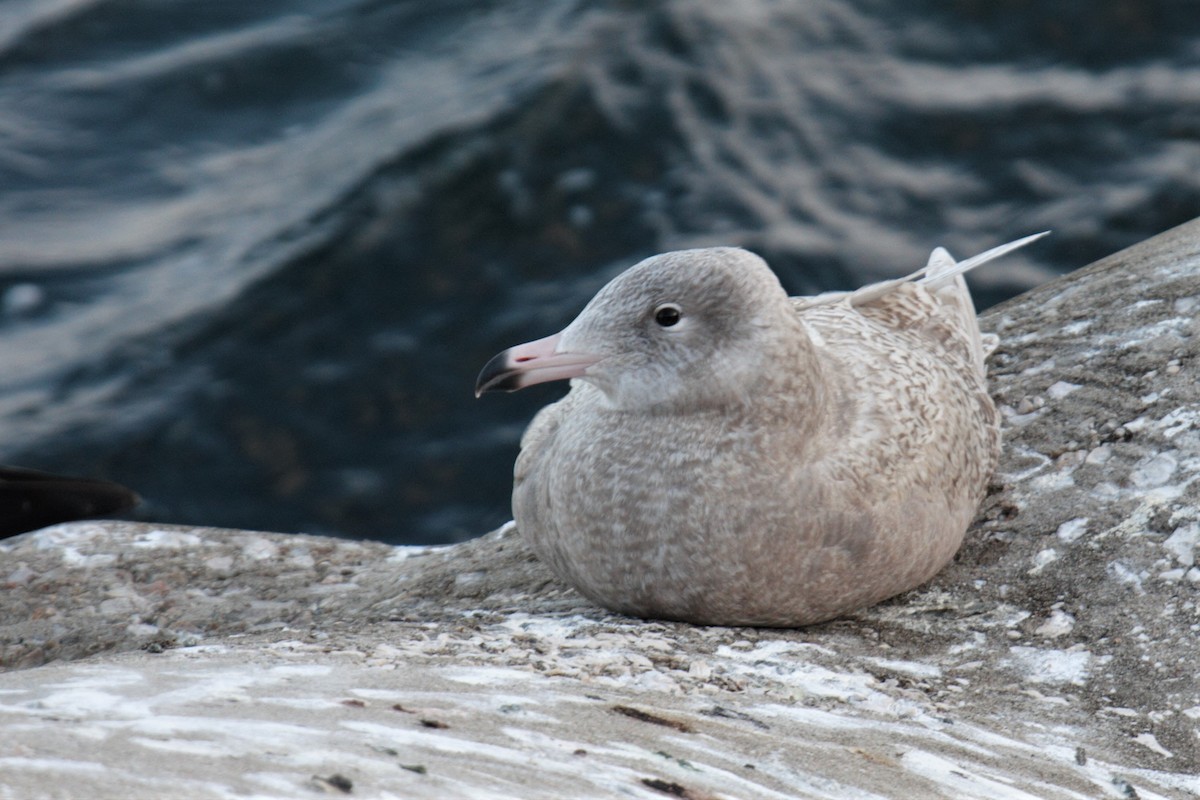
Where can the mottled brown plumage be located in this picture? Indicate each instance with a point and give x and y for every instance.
(728, 455)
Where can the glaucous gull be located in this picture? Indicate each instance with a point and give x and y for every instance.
(728, 455)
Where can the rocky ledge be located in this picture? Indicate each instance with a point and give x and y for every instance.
(1056, 657)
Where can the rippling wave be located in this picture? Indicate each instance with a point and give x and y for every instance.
(251, 255)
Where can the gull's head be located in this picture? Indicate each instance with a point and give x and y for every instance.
(688, 329)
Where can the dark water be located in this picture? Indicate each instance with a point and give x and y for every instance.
(253, 254)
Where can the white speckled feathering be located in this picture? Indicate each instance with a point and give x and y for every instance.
(728, 455)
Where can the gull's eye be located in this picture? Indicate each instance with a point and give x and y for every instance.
(667, 315)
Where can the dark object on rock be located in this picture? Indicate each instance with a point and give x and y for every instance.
(31, 499)
(333, 783)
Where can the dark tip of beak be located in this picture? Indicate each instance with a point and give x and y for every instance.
(497, 375)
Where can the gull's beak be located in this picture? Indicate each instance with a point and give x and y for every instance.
(530, 363)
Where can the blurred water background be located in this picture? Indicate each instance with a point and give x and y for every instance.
(252, 255)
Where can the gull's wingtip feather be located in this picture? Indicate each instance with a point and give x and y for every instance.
(966, 265)
(940, 268)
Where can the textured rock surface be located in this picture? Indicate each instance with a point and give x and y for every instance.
(1056, 657)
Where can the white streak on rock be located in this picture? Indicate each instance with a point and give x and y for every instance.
(1059, 623)
(1182, 543)
(961, 780)
(1147, 740)
(167, 539)
(1052, 666)
(1072, 529)
(913, 668)
(1043, 559)
(1154, 470)
(1178, 420)
(1061, 389)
